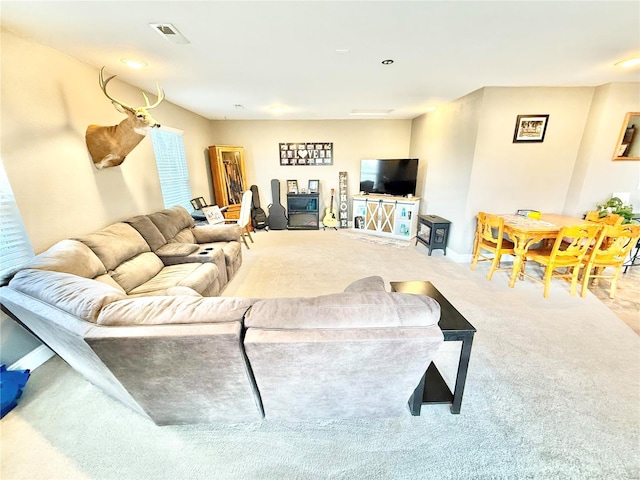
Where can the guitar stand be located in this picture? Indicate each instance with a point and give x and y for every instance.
(325, 227)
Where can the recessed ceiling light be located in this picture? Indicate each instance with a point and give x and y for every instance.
(134, 63)
(431, 108)
(387, 62)
(631, 62)
(275, 109)
(342, 50)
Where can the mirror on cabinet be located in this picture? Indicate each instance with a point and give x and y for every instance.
(628, 146)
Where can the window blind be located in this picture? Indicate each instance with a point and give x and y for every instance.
(171, 160)
(15, 248)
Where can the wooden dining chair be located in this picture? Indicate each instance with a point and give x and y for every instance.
(244, 219)
(489, 237)
(609, 219)
(611, 249)
(563, 254)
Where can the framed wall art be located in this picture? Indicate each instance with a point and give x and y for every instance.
(292, 186)
(306, 153)
(628, 146)
(213, 214)
(530, 128)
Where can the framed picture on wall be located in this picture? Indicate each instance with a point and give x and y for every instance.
(530, 128)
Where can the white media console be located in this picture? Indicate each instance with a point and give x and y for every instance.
(387, 216)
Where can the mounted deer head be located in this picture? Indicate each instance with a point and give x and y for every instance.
(109, 146)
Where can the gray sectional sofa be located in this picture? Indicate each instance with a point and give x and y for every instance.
(135, 308)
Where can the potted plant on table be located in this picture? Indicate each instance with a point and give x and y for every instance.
(615, 205)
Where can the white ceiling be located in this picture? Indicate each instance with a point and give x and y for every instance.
(264, 54)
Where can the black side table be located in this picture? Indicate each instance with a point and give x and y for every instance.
(433, 232)
(432, 388)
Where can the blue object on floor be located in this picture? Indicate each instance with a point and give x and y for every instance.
(11, 384)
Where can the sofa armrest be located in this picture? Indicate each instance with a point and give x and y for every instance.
(217, 233)
(176, 249)
(181, 373)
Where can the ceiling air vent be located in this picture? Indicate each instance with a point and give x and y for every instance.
(169, 32)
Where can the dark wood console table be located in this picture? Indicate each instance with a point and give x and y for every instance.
(432, 388)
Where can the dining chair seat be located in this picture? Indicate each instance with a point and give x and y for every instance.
(490, 237)
(562, 254)
(611, 249)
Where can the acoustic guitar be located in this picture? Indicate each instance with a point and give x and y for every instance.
(330, 220)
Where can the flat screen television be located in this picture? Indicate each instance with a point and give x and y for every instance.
(392, 176)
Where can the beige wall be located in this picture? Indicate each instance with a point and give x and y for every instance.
(48, 99)
(596, 176)
(353, 140)
(445, 141)
(473, 165)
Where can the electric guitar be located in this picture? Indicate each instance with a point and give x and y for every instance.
(330, 220)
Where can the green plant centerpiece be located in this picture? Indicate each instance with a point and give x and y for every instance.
(615, 205)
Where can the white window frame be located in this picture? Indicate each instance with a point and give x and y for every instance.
(171, 160)
(15, 247)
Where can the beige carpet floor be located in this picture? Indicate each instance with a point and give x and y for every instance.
(626, 303)
(553, 391)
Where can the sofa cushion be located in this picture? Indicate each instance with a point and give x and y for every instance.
(171, 310)
(174, 291)
(184, 236)
(148, 230)
(345, 310)
(217, 233)
(367, 284)
(115, 244)
(69, 256)
(108, 279)
(137, 270)
(197, 276)
(76, 295)
(177, 249)
(201, 278)
(171, 221)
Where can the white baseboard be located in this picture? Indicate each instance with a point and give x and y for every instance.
(33, 359)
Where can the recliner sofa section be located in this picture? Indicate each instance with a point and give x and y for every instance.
(172, 235)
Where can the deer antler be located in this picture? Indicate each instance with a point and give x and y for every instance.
(126, 106)
(158, 100)
(103, 86)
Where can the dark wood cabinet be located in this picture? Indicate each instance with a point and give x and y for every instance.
(303, 211)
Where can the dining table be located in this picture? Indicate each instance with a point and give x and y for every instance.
(526, 231)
